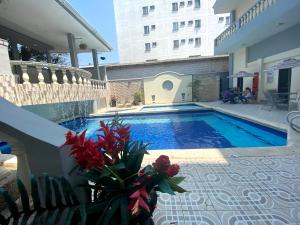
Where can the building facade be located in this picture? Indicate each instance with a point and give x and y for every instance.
(150, 30)
(262, 35)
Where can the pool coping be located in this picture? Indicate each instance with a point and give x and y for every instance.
(292, 148)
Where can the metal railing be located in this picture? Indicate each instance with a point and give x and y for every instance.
(258, 8)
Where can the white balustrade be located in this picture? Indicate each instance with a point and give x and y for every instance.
(258, 8)
(43, 83)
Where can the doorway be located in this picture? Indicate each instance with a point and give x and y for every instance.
(284, 84)
(240, 84)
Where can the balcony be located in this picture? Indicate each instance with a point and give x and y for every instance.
(264, 19)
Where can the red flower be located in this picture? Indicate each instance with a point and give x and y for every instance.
(173, 170)
(162, 164)
(138, 201)
(84, 150)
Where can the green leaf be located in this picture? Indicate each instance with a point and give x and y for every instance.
(124, 211)
(175, 187)
(24, 195)
(51, 217)
(48, 192)
(70, 215)
(68, 190)
(111, 212)
(12, 206)
(25, 219)
(35, 194)
(164, 187)
(37, 219)
(176, 180)
(57, 193)
(3, 221)
(118, 166)
(83, 214)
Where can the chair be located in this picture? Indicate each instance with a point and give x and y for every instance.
(276, 100)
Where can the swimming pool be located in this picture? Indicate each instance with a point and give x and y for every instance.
(190, 130)
(171, 107)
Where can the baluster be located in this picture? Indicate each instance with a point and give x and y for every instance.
(25, 75)
(73, 77)
(65, 78)
(40, 74)
(53, 75)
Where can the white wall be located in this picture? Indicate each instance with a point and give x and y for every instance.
(154, 86)
(4, 58)
(130, 29)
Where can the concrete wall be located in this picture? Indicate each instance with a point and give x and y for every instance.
(281, 42)
(209, 88)
(196, 66)
(125, 89)
(130, 24)
(4, 58)
(244, 6)
(154, 86)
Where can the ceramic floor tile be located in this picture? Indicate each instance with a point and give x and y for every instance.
(201, 218)
(238, 217)
(162, 217)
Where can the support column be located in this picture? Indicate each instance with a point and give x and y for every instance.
(262, 80)
(49, 58)
(230, 69)
(96, 64)
(72, 49)
(14, 50)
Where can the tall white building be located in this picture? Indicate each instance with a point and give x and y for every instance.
(150, 30)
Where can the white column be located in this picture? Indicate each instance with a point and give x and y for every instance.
(96, 64)
(72, 49)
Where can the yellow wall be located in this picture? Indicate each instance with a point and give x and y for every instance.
(154, 86)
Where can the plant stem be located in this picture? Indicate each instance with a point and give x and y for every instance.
(116, 176)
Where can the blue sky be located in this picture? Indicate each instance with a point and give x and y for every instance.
(100, 14)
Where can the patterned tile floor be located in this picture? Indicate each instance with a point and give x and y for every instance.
(235, 191)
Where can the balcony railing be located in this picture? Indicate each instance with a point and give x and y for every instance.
(258, 8)
(43, 83)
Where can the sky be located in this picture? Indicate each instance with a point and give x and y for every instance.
(100, 15)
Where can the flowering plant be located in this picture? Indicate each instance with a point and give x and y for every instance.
(114, 98)
(122, 192)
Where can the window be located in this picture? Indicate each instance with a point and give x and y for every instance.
(191, 40)
(146, 30)
(152, 7)
(145, 10)
(182, 23)
(190, 3)
(190, 23)
(153, 27)
(221, 19)
(174, 6)
(182, 41)
(197, 4)
(197, 23)
(175, 26)
(154, 44)
(197, 42)
(167, 85)
(176, 44)
(181, 4)
(147, 47)
(227, 20)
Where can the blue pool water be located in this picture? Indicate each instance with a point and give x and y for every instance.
(171, 107)
(190, 130)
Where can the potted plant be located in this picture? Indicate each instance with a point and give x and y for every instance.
(138, 98)
(119, 190)
(113, 101)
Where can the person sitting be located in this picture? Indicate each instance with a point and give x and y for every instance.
(246, 95)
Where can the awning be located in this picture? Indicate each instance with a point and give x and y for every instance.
(285, 64)
(241, 74)
(44, 25)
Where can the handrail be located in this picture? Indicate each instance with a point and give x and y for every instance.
(293, 125)
(254, 11)
(77, 75)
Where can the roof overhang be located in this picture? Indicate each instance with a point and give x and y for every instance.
(225, 6)
(45, 25)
